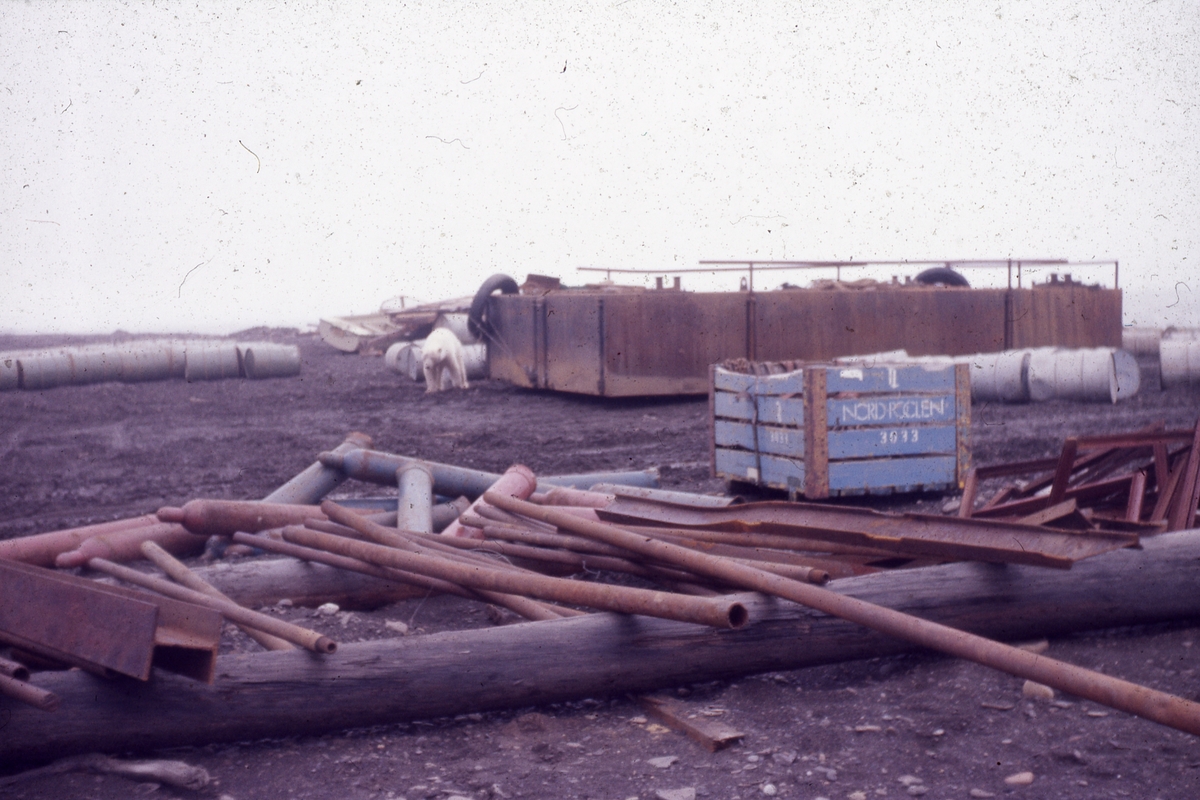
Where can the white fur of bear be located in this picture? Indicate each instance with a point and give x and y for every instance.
(442, 358)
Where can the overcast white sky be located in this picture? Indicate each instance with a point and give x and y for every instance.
(208, 168)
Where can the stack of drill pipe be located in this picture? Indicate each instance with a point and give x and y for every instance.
(1143, 701)
(436, 559)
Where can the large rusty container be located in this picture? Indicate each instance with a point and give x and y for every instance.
(630, 342)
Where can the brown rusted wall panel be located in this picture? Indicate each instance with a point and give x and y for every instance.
(1066, 316)
(820, 325)
(672, 334)
(573, 343)
(661, 342)
(512, 355)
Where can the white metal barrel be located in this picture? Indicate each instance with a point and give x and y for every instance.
(212, 361)
(1083, 374)
(1141, 341)
(1128, 375)
(458, 325)
(10, 374)
(148, 360)
(1000, 377)
(405, 358)
(1180, 360)
(270, 360)
(45, 370)
(96, 364)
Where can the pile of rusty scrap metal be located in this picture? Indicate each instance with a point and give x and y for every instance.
(1144, 482)
(538, 548)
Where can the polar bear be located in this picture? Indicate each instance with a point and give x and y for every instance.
(442, 358)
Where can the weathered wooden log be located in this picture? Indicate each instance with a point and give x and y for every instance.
(289, 693)
(265, 582)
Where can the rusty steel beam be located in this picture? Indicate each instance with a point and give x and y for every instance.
(104, 629)
(1167, 709)
(925, 535)
(310, 640)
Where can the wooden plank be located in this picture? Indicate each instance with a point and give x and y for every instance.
(710, 732)
(770, 439)
(784, 383)
(897, 378)
(892, 442)
(890, 410)
(816, 436)
(892, 474)
(774, 471)
(777, 410)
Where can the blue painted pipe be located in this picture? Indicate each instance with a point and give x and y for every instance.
(378, 467)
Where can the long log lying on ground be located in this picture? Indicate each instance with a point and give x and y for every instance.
(267, 581)
(289, 693)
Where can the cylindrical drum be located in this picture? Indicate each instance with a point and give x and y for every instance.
(1141, 341)
(10, 375)
(269, 360)
(1128, 375)
(96, 364)
(1180, 359)
(392, 356)
(212, 361)
(45, 370)
(458, 325)
(145, 361)
(1000, 376)
(1085, 374)
(177, 356)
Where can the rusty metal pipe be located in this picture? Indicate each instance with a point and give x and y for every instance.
(414, 506)
(179, 572)
(14, 670)
(445, 513)
(317, 480)
(42, 548)
(1143, 701)
(28, 693)
(310, 640)
(126, 545)
(518, 481)
(226, 517)
(716, 612)
(522, 606)
(346, 523)
(405, 540)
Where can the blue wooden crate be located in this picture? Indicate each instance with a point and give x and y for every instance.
(827, 430)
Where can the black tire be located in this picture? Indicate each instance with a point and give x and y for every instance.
(477, 320)
(944, 276)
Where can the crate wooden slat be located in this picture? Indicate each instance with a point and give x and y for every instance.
(827, 430)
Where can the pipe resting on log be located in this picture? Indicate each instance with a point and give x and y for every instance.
(263, 695)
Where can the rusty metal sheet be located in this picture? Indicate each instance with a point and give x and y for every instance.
(1065, 316)
(951, 538)
(102, 628)
(515, 348)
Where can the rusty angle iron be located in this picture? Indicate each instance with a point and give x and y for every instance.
(105, 629)
(913, 535)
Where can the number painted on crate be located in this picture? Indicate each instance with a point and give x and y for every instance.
(902, 436)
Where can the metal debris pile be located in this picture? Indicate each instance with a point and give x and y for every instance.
(1143, 482)
(554, 549)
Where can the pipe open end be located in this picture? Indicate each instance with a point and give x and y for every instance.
(738, 615)
(326, 645)
(170, 514)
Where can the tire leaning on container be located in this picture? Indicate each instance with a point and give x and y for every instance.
(477, 320)
(942, 275)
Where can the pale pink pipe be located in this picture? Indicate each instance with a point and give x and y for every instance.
(518, 481)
